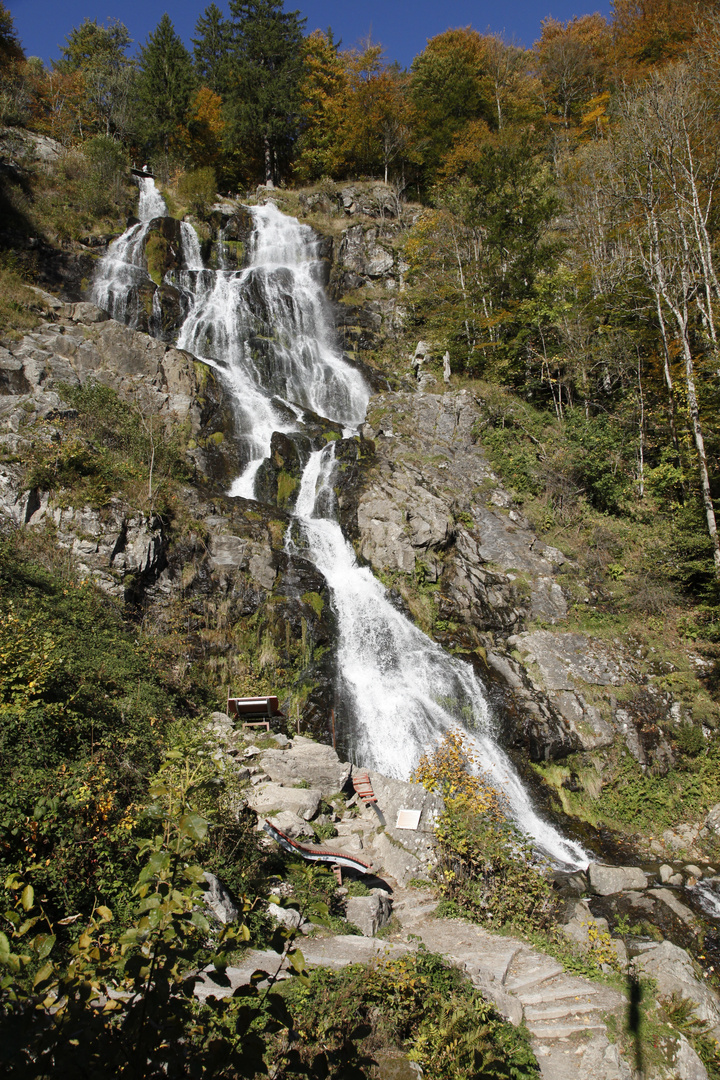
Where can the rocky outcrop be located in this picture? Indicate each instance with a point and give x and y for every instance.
(212, 561)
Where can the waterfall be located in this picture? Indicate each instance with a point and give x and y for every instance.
(122, 272)
(269, 330)
(269, 325)
(151, 205)
(403, 690)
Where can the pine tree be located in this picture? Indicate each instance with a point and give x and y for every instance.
(165, 86)
(211, 49)
(264, 98)
(11, 50)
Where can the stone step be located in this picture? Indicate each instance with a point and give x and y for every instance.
(530, 969)
(555, 1011)
(551, 1029)
(558, 990)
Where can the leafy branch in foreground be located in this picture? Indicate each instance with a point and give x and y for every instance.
(125, 1005)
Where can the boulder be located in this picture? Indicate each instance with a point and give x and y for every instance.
(308, 761)
(270, 800)
(289, 917)
(665, 872)
(607, 880)
(583, 928)
(369, 913)
(218, 899)
(712, 821)
(289, 823)
(670, 900)
(687, 1065)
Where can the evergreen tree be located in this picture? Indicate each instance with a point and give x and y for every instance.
(211, 49)
(165, 86)
(264, 97)
(10, 48)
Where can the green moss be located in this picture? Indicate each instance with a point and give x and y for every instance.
(315, 601)
(156, 254)
(331, 436)
(286, 486)
(216, 438)
(202, 372)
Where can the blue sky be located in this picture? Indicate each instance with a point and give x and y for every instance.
(403, 26)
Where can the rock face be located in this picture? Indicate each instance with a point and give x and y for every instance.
(219, 561)
(673, 971)
(309, 762)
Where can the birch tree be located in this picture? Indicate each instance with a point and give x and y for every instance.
(666, 173)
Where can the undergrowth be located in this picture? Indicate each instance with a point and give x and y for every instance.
(416, 1004)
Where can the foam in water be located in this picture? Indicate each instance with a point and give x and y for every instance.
(268, 330)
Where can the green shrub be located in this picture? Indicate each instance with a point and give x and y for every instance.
(417, 1004)
(486, 869)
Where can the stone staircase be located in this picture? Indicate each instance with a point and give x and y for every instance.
(565, 1014)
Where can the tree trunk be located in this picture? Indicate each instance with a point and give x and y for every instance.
(700, 447)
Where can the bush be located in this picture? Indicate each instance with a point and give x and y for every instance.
(415, 1003)
(486, 868)
(198, 189)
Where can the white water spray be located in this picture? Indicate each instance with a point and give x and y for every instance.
(268, 329)
(151, 204)
(122, 272)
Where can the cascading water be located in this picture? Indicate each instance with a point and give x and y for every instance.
(403, 691)
(268, 324)
(268, 330)
(122, 272)
(151, 204)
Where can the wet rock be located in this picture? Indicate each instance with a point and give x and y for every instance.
(670, 900)
(606, 880)
(665, 873)
(279, 476)
(369, 913)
